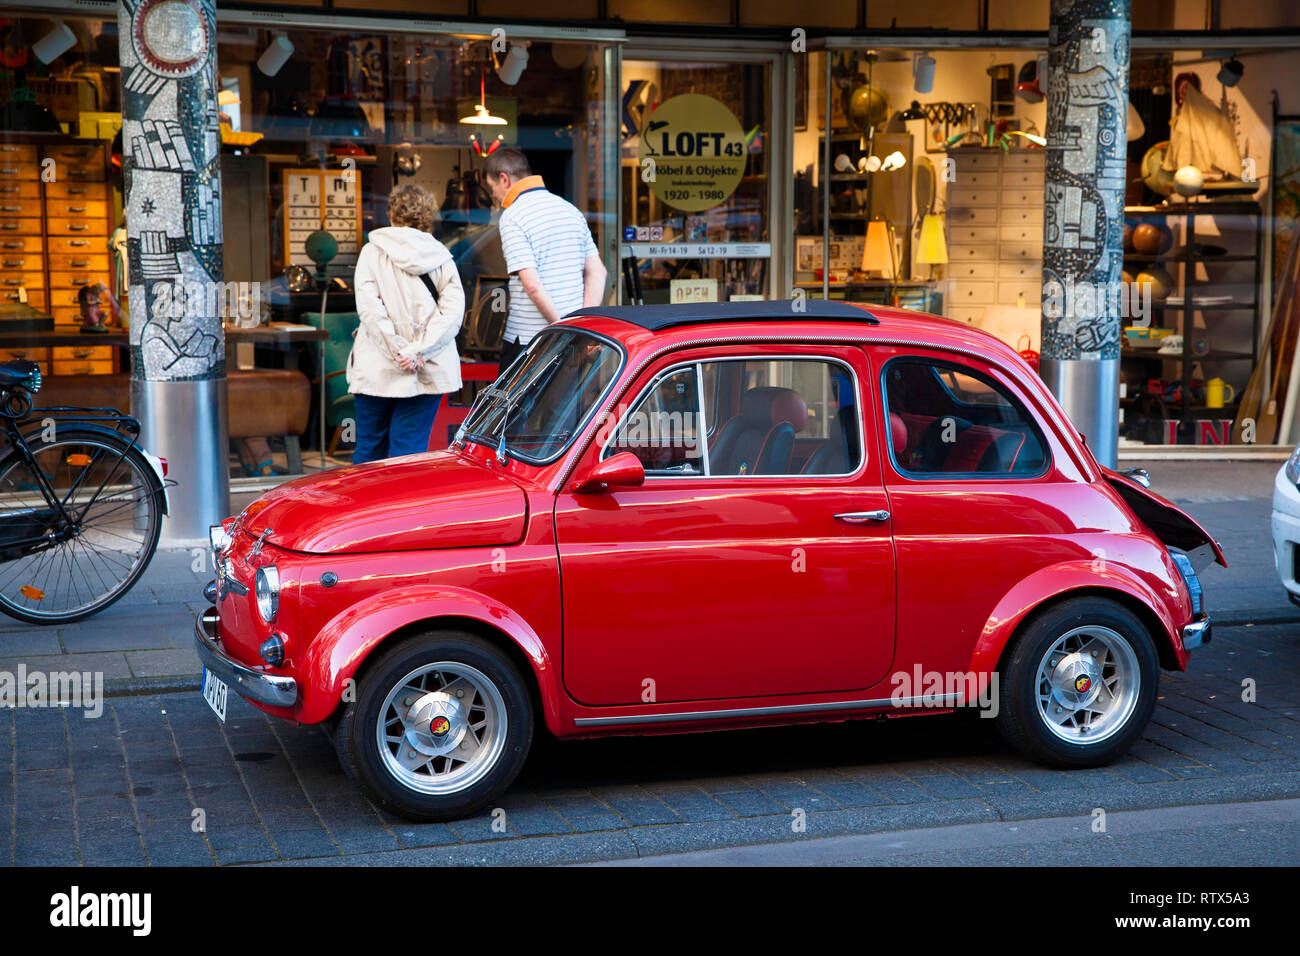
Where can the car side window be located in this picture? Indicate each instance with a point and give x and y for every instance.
(760, 417)
(662, 431)
(946, 419)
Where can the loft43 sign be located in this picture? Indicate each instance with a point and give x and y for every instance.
(692, 152)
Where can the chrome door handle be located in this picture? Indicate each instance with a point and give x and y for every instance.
(862, 517)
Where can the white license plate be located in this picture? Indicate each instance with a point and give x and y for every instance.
(214, 692)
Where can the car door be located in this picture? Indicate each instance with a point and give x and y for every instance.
(756, 559)
(978, 498)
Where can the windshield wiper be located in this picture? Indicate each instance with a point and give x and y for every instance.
(512, 398)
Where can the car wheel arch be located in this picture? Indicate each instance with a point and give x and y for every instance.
(1010, 617)
(341, 651)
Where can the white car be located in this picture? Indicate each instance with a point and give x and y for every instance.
(1286, 523)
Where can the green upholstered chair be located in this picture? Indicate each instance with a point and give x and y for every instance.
(338, 402)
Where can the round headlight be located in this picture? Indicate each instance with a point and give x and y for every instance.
(266, 584)
(1293, 467)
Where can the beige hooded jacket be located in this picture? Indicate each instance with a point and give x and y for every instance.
(398, 316)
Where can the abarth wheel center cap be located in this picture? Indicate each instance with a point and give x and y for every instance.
(435, 723)
(1076, 681)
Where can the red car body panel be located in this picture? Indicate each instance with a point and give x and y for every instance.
(686, 583)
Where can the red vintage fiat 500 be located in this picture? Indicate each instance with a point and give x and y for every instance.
(670, 518)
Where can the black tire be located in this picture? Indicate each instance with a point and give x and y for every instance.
(1021, 720)
(357, 743)
(97, 575)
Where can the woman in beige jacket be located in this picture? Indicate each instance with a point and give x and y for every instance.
(404, 355)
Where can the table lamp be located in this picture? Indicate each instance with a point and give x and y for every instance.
(878, 250)
(933, 247)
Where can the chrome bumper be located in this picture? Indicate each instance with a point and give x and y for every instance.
(1197, 633)
(247, 682)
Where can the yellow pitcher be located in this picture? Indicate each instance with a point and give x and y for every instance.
(1214, 397)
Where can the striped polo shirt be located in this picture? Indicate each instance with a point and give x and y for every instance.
(539, 230)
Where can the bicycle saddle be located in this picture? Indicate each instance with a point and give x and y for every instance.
(16, 373)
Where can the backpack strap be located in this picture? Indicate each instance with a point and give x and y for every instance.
(428, 284)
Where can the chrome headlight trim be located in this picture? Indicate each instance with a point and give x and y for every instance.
(266, 585)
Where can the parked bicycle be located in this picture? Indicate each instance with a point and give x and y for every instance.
(81, 504)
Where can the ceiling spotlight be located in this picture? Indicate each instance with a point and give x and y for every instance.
(1231, 72)
(922, 72)
(276, 55)
(54, 44)
(512, 67)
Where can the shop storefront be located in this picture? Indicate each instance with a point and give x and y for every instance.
(899, 170)
(926, 189)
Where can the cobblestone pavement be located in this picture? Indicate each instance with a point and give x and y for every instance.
(124, 789)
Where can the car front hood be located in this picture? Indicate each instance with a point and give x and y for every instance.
(434, 500)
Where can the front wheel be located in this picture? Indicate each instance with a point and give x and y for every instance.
(441, 726)
(62, 564)
(1079, 685)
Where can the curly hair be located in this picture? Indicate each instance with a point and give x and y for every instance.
(411, 205)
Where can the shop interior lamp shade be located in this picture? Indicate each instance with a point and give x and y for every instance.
(933, 247)
(482, 116)
(276, 55)
(54, 44)
(878, 250)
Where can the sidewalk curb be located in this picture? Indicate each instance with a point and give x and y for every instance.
(143, 686)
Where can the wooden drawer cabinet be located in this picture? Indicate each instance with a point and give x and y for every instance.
(62, 190)
(96, 262)
(34, 244)
(65, 316)
(34, 297)
(20, 227)
(83, 208)
(11, 153)
(21, 262)
(82, 353)
(80, 367)
(19, 207)
(74, 226)
(54, 241)
(1005, 265)
(60, 281)
(40, 356)
(20, 189)
(14, 169)
(25, 280)
(78, 244)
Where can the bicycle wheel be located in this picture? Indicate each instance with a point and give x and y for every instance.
(86, 561)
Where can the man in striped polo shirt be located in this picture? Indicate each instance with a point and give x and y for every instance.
(553, 263)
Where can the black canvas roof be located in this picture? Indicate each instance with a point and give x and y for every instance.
(656, 317)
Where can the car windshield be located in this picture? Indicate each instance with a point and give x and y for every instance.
(544, 398)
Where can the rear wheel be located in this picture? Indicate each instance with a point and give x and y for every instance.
(1079, 685)
(55, 570)
(441, 726)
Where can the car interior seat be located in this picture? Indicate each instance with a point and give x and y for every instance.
(760, 440)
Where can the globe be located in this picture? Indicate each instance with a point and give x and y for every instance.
(1157, 179)
(868, 107)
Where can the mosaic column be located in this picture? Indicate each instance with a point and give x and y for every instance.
(1083, 219)
(171, 160)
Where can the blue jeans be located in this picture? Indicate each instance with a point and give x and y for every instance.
(389, 427)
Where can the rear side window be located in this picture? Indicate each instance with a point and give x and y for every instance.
(945, 420)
